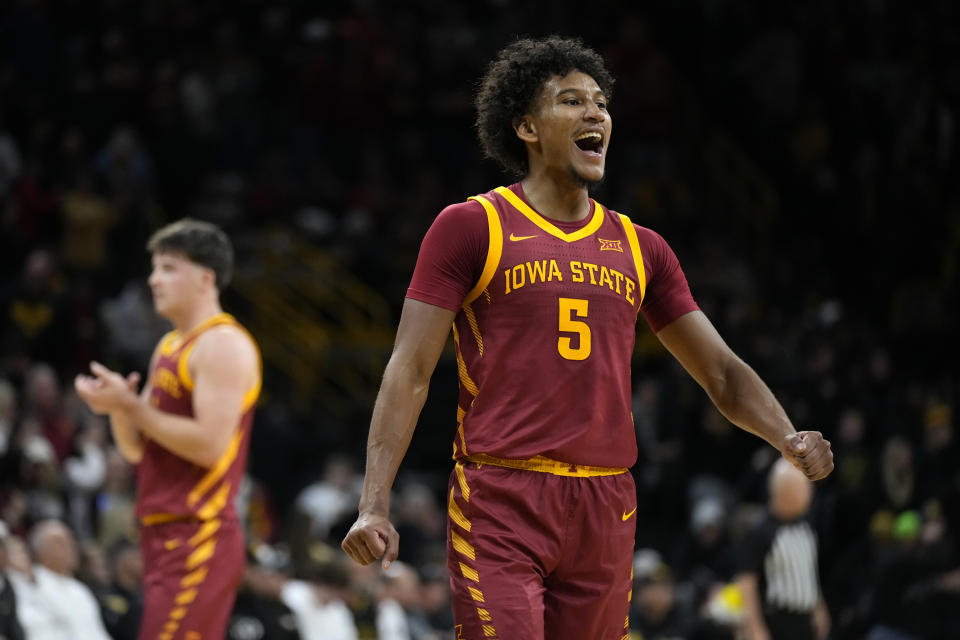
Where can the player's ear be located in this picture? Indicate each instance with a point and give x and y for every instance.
(526, 129)
(209, 277)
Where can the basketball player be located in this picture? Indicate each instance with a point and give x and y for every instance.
(188, 432)
(542, 286)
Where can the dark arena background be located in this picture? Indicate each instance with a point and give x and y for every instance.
(803, 159)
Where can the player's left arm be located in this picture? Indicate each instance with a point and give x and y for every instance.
(740, 395)
(225, 367)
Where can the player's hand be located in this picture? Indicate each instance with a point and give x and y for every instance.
(106, 391)
(370, 538)
(809, 452)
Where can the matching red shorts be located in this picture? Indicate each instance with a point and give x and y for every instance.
(191, 572)
(534, 555)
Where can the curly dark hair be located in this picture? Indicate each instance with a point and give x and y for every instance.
(513, 82)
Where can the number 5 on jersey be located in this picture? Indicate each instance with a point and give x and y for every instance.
(571, 308)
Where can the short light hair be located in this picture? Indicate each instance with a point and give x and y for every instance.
(203, 243)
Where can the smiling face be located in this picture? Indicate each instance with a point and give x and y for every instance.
(568, 130)
(177, 283)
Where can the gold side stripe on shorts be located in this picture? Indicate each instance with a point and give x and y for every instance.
(186, 597)
(201, 554)
(215, 504)
(475, 593)
(171, 626)
(456, 514)
(546, 465)
(462, 481)
(195, 578)
(469, 573)
(489, 631)
(484, 614)
(462, 546)
(178, 613)
(208, 529)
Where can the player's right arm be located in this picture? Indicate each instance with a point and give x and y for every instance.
(420, 339)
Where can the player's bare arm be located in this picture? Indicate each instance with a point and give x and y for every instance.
(421, 335)
(740, 395)
(224, 366)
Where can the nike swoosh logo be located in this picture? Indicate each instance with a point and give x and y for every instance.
(626, 516)
(518, 238)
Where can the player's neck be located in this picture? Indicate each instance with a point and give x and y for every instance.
(563, 200)
(196, 315)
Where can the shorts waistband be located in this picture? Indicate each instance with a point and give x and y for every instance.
(543, 464)
(153, 519)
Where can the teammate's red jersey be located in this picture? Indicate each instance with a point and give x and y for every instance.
(545, 325)
(168, 486)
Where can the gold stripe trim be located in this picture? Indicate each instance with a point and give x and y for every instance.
(202, 553)
(217, 318)
(489, 631)
(469, 573)
(195, 578)
(171, 626)
(637, 255)
(462, 481)
(163, 518)
(178, 613)
(595, 222)
(186, 597)
(462, 546)
(218, 470)
(208, 529)
(183, 367)
(166, 343)
(461, 414)
(215, 505)
(546, 465)
(484, 614)
(474, 327)
(494, 250)
(476, 594)
(465, 378)
(453, 509)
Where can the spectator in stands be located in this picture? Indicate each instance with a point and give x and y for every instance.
(72, 602)
(10, 628)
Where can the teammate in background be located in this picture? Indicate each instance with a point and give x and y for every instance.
(779, 576)
(543, 286)
(188, 432)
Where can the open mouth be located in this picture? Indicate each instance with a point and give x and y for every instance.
(591, 142)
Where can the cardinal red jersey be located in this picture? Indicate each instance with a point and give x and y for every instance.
(168, 486)
(545, 325)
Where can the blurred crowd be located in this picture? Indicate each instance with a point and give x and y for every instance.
(801, 160)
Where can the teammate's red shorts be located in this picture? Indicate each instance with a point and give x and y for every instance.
(191, 572)
(534, 555)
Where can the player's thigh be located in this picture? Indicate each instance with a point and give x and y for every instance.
(500, 538)
(588, 596)
(191, 575)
